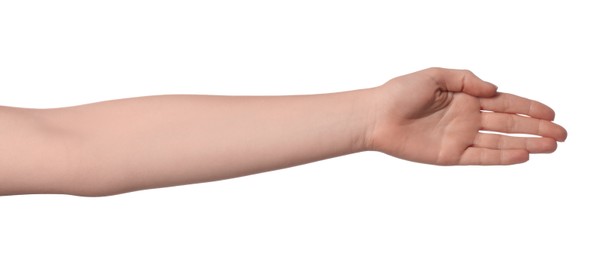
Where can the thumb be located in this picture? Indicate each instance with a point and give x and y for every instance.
(462, 81)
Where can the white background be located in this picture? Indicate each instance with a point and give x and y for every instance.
(368, 205)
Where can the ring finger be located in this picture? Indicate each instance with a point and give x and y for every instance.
(503, 142)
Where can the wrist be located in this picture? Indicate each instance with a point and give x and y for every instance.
(365, 114)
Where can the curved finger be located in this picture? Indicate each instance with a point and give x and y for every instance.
(508, 123)
(509, 103)
(462, 81)
(485, 156)
(503, 142)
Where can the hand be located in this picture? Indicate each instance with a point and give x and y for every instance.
(436, 116)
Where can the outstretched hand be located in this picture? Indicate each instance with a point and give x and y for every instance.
(438, 116)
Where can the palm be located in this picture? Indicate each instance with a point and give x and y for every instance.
(424, 121)
(439, 137)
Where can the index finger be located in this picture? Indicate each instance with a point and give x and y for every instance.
(462, 81)
(508, 103)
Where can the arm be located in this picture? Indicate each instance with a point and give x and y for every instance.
(138, 143)
(432, 116)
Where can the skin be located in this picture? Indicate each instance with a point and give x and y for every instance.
(433, 116)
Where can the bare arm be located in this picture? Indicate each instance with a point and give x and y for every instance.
(124, 145)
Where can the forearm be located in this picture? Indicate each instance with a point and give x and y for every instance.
(139, 143)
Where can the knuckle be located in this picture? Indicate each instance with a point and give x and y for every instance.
(433, 70)
(467, 72)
